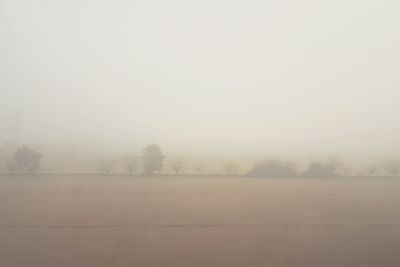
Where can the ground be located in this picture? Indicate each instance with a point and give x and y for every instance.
(118, 220)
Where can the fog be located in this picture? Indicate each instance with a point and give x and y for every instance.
(213, 78)
(199, 133)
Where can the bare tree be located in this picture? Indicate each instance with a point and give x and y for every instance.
(346, 170)
(333, 166)
(230, 167)
(131, 164)
(105, 167)
(177, 165)
(392, 167)
(10, 165)
(7, 150)
(199, 167)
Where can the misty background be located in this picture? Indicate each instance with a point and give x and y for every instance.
(215, 79)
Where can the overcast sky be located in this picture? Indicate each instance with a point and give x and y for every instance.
(251, 77)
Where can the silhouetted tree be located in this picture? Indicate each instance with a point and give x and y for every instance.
(131, 164)
(316, 169)
(26, 159)
(177, 165)
(152, 159)
(327, 169)
(392, 167)
(273, 168)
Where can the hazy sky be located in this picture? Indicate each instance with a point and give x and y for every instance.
(252, 77)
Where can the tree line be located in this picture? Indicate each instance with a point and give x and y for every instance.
(332, 167)
(27, 160)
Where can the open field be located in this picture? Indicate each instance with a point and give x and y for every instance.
(116, 220)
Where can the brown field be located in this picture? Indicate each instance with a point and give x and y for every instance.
(115, 220)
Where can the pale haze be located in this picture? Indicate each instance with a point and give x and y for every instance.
(247, 78)
(203, 133)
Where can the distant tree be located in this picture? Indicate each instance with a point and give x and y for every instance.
(371, 169)
(230, 167)
(273, 168)
(329, 168)
(152, 159)
(7, 150)
(26, 159)
(392, 167)
(316, 169)
(199, 167)
(177, 165)
(105, 167)
(131, 164)
(10, 165)
(333, 166)
(346, 170)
